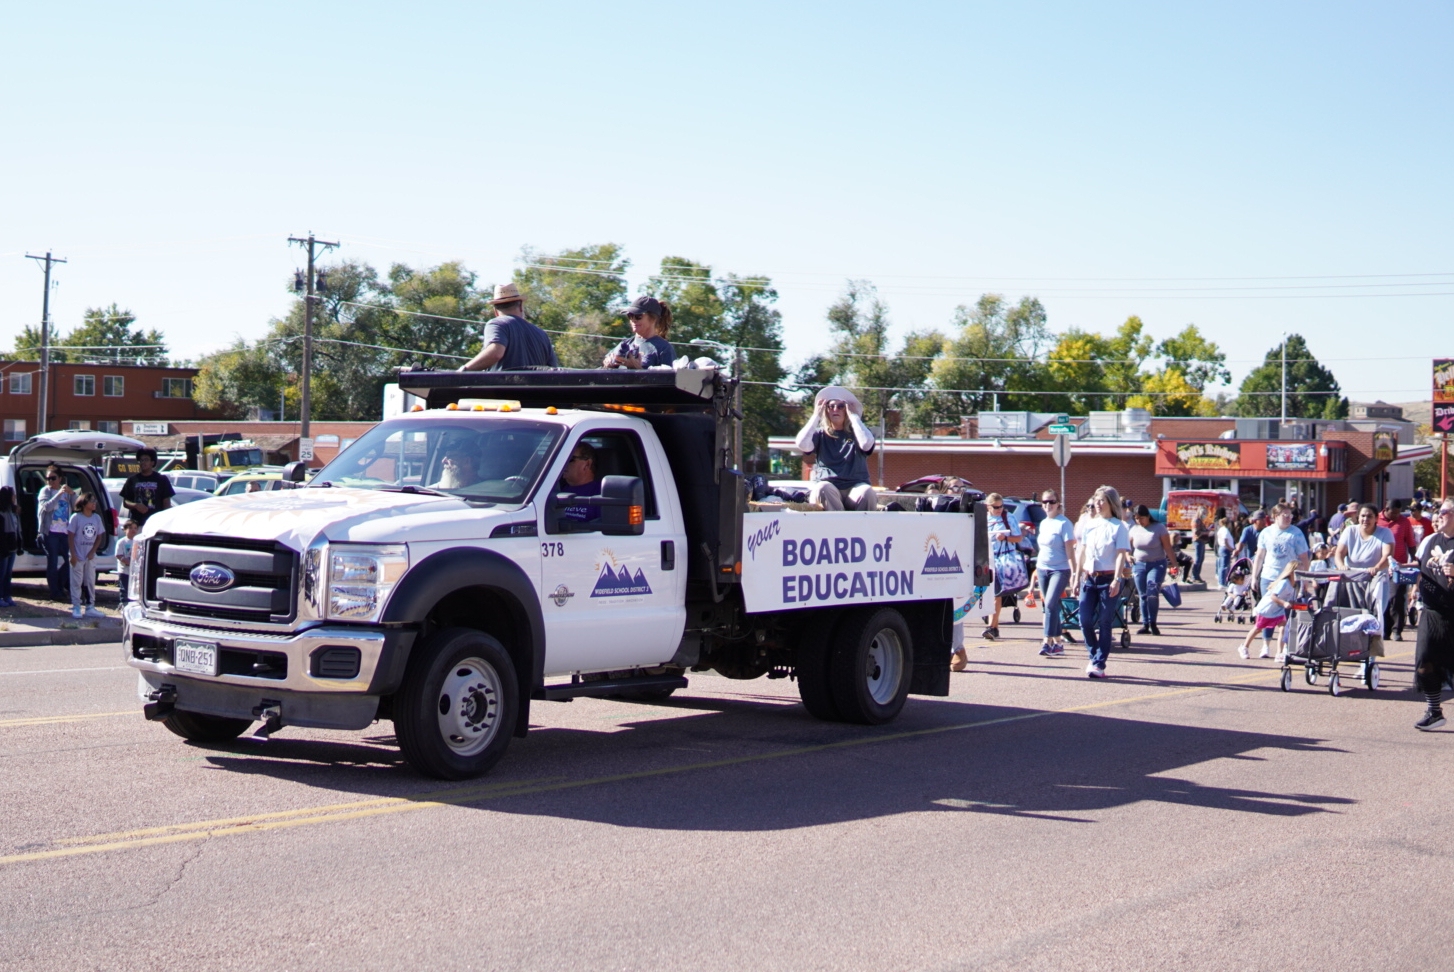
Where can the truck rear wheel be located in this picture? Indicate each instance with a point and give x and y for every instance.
(871, 661)
(205, 728)
(456, 710)
(811, 663)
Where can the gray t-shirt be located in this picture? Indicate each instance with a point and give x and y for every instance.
(1146, 547)
(838, 459)
(654, 351)
(1365, 551)
(525, 344)
(88, 531)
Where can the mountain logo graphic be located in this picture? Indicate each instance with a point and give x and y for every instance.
(614, 583)
(941, 561)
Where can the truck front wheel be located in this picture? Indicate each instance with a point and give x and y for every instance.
(872, 658)
(456, 709)
(205, 728)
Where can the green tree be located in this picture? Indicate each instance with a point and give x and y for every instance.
(993, 351)
(1200, 361)
(751, 322)
(1312, 391)
(105, 334)
(577, 296)
(243, 377)
(1168, 392)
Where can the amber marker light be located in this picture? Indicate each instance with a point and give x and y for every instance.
(636, 515)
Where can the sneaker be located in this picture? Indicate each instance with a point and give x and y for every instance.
(1265, 654)
(1433, 719)
(991, 634)
(76, 612)
(1056, 651)
(1144, 629)
(1095, 671)
(94, 612)
(1156, 631)
(1045, 648)
(1242, 651)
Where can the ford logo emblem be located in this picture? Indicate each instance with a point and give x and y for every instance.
(212, 578)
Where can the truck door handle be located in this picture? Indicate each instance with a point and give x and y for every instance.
(668, 555)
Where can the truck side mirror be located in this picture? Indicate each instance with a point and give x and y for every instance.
(295, 472)
(622, 503)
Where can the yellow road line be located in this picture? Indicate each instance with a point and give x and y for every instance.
(45, 720)
(150, 837)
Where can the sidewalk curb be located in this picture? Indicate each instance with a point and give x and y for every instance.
(36, 637)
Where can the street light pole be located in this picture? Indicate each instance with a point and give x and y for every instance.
(306, 411)
(733, 354)
(44, 417)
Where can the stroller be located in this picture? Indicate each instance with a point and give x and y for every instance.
(1237, 601)
(1070, 616)
(1338, 624)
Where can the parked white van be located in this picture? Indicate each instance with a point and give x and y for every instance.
(78, 453)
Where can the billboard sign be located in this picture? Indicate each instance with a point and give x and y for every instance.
(1209, 455)
(1300, 456)
(1444, 380)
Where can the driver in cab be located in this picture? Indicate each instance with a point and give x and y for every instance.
(580, 478)
(460, 469)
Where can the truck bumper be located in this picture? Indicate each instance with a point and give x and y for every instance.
(311, 675)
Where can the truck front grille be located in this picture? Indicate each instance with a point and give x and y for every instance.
(262, 590)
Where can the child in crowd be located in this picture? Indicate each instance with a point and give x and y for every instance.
(1271, 611)
(1238, 584)
(123, 558)
(88, 534)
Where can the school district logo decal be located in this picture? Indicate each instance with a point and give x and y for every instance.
(614, 583)
(940, 560)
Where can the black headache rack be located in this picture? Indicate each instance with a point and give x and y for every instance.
(693, 412)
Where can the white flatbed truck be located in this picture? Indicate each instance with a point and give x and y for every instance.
(400, 584)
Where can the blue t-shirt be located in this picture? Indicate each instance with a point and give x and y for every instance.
(654, 350)
(1248, 540)
(1267, 607)
(525, 344)
(1055, 532)
(582, 513)
(1281, 547)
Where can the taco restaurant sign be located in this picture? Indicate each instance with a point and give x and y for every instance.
(1209, 455)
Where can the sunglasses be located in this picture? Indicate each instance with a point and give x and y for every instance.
(52, 479)
(835, 405)
(580, 458)
(634, 317)
(996, 508)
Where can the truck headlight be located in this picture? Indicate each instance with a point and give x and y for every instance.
(360, 577)
(134, 584)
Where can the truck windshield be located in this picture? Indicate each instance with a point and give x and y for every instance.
(240, 457)
(477, 459)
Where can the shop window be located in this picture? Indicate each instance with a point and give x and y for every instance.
(107, 425)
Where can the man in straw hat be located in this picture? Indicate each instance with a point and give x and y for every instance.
(511, 342)
(837, 444)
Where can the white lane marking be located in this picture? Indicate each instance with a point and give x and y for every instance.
(57, 671)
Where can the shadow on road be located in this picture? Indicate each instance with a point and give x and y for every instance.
(744, 764)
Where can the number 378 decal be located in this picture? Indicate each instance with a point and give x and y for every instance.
(553, 548)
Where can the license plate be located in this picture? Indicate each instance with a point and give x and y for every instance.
(195, 657)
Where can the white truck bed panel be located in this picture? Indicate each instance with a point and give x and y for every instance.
(792, 561)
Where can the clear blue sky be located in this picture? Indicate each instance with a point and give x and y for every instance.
(1110, 161)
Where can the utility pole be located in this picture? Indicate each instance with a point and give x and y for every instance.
(1284, 382)
(43, 418)
(310, 296)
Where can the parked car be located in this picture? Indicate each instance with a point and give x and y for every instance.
(255, 483)
(78, 453)
(207, 482)
(1026, 511)
(181, 496)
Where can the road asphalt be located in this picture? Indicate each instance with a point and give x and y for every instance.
(1183, 814)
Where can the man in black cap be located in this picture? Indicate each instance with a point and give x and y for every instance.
(511, 342)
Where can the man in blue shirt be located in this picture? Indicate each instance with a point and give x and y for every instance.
(511, 343)
(1247, 543)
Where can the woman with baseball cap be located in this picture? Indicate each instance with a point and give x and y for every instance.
(647, 347)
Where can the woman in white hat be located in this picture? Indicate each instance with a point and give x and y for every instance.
(837, 444)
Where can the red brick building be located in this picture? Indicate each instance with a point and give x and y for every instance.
(93, 396)
(1323, 463)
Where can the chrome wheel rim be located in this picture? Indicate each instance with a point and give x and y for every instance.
(469, 706)
(884, 666)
